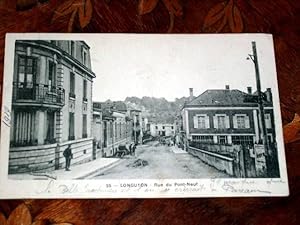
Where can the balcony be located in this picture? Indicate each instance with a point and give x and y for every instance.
(38, 94)
(23, 143)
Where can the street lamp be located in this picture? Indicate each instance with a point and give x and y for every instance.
(254, 59)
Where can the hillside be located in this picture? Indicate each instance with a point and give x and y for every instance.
(157, 109)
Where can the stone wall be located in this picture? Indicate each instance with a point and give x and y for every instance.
(218, 161)
(48, 157)
(32, 158)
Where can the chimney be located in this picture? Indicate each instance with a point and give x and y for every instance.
(191, 94)
(227, 87)
(249, 89)
(269, 95)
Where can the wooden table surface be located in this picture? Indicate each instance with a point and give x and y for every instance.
(280, 17)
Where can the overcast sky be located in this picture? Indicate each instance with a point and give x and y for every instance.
(168, 65)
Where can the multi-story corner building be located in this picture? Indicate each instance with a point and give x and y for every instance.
(228, 117)
(112, 129)
(162, 129)
(51, 105)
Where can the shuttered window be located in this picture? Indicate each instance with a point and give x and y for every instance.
(221, 121)
(241, 121)
(201, 121)
(24, 129)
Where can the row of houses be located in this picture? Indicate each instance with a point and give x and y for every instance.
(52, 109)
(115, 125)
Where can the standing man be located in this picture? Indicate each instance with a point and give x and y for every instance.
(130, 148)
(68, 156)
(133, 149)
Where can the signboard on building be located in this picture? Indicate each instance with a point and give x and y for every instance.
(260, 160)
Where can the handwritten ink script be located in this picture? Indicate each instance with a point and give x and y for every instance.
(161, 188)
(6, 116)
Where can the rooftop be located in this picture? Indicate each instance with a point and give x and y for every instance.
(223, 97)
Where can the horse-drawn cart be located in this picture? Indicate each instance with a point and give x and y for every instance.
(122, 151)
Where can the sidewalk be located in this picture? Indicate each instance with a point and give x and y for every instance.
(80, 171)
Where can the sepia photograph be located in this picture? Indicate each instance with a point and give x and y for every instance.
(92, 108)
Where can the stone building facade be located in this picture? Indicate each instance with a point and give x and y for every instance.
(112, 128)
(51, 105)
(162, 129)
(228, 117)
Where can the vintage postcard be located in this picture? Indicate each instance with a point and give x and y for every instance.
(141, 116)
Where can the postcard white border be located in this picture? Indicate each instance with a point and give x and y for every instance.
(219, 187)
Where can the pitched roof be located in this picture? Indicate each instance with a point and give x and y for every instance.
(111, 105)
(219, 97)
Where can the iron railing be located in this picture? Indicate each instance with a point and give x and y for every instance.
(38, 93)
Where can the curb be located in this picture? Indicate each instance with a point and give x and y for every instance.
(90, 174)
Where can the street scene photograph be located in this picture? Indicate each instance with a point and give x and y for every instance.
(144, 107)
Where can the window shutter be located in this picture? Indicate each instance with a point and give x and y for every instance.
(227, 124)
(247, 122)
(216, 122)
(195, 122)
(235, 122)
(206, 121)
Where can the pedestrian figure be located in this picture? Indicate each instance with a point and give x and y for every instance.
(68, 156)
(133, 149)
(130, 148)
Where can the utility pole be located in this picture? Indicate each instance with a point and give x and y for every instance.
(134, 127)
(261, 106)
